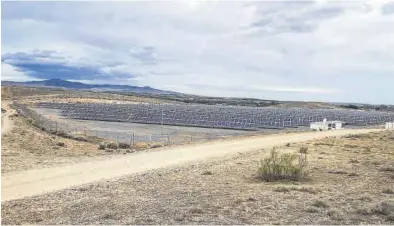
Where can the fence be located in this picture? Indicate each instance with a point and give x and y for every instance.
(132, 138)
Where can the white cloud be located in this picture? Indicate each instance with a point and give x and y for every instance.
(281, 50)
(10, 73)
(310, 90)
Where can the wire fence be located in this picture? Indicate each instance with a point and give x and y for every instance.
(132, 138)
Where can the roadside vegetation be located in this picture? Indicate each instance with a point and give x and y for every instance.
(284, 166)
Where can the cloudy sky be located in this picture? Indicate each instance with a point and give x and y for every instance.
(323, 51)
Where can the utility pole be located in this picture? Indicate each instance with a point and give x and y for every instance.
(162, 115)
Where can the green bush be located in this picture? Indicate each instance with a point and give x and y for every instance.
(285, 166)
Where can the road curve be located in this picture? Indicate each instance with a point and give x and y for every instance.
(6, 122)
(35, 182)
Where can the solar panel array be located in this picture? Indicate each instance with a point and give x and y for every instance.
(231, 117)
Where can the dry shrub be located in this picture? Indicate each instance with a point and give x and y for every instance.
(156, 145)
(350, 146)
(387, 169)
(59, 133)
(283, 166)
(388, 191)
(207, 173)
(112, 146)
(365, 199)
(141, 145)
(61, 144)
(353, 175)
(14, 115)
(94, 139)
(299, 189)
(303, 150)
(337, 172)
(81, 139)
(282, 189)
(386, 208)
(323, 144)
(101, 146)
(312, 210)
(196, 211)
(335, 215)
(364, 212)
(357, 136)
(124, 145)
(320, 204)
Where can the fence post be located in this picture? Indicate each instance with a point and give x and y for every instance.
(133, 139)
(191, 138)
(168, 138)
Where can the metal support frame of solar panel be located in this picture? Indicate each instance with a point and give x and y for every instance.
(215, 116)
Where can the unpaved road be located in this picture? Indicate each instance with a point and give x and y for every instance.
(6, 122)
(40, 181)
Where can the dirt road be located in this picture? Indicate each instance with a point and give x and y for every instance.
(35, 182)
(6, 122)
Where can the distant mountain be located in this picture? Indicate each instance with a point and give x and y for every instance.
(59, 83)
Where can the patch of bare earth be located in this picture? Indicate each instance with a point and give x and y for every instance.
(26, 147)
(349, 182)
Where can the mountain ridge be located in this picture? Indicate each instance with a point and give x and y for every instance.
(60, 83)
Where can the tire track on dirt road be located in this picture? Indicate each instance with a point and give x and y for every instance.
(40, 181)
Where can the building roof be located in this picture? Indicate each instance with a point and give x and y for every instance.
(326, 122)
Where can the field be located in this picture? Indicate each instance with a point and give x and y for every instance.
(26, 147)
(207, 176)
(350, 182)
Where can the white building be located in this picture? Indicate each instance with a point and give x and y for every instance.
(327, 125)
(389, 125)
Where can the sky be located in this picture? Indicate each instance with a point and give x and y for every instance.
(310, 51)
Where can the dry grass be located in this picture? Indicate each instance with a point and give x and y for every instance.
(33, 95)
(230, 193)
(26, 147)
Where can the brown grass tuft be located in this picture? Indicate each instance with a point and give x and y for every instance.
(320, 204)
